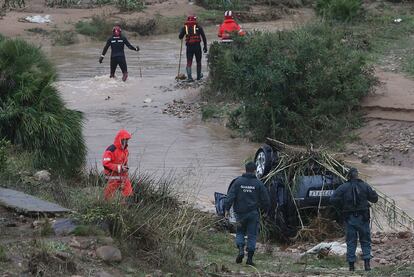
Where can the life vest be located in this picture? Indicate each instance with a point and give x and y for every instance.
(191, 33)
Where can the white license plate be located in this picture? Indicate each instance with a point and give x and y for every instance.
(319, 193)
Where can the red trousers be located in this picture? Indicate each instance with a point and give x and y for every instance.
(114, 185)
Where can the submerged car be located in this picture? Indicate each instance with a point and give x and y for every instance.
(309, 195)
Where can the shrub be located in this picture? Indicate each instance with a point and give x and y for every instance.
(63, 37)
(298, 86)
(62, 3)
(98, 28)
(342, 10)
(32, 113)
(130, 5)
(224, 4)
(157, 226)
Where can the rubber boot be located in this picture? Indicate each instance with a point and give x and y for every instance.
(189, 76)
(367, 266)
(351, 266)
(250, 258)
(124, 76)
(199, 74)
(240, 256)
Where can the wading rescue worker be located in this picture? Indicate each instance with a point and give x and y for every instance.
(193, 33)
(115, 163)
(247, 194)
(352, 198)
(117, 42)
(229, 28)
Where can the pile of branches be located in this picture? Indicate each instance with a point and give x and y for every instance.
(293, 162)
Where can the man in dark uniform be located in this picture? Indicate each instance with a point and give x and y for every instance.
(352, 198)
(247, 194)
(117, 42)
(193, 34)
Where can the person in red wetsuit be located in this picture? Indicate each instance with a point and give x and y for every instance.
(229, 27)
(115, 163)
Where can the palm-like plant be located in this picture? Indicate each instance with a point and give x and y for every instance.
(32, 113)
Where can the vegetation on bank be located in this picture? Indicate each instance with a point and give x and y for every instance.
(304, 86)
(32, 113)
(301, 86)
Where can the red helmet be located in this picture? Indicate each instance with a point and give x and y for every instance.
(228, 15)
(116, 31)
(191, 18)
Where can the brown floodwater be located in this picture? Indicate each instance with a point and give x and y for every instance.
(204, 155)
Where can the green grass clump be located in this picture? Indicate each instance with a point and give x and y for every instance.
(341, 10)
(3, 254)
(87, 230)
(99, 27)
(302, 86)
(33, 114)
(63, 38)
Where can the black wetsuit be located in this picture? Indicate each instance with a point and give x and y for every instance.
(117, 52)
(193, 41)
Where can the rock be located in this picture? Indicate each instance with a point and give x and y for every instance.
(63, 226)
(383, 261)
(385, 239)
(106, 240)
(404, 235)
(147, 100)
(81, 243)
(157, 273)
(103, 274)
(376, 240)
(365, 159)
(109, 253)
(42, 176)
(62, 255)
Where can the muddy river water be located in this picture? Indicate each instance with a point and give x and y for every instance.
(205, 154)
(161, 143)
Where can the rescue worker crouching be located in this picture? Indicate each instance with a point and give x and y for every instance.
(115, 163)
(229, 27)
(352, 198)
(193, 33)
(247, 194)
(117, 42)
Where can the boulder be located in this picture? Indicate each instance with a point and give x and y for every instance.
(42, 176)
(103, 274)
(109, 253)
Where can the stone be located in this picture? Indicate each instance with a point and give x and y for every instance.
(383, 261)
(42, 176)
(106, 240)
(157, 273)
(365, 159)
(103, 274)
(404, 235)
(109, 253)
(63, 226)
(147, 100)
(376, 240)
(80, 243)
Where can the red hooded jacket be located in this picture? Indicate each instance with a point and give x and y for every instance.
(229, 26)
(115, 157)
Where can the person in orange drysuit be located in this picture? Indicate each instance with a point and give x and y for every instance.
(229, 27)
(115, 163)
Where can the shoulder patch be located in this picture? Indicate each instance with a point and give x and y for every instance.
(111, 148)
